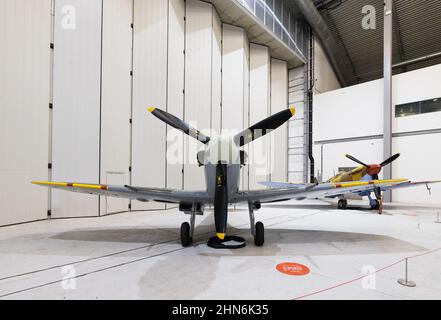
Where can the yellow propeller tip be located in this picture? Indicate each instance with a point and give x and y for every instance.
(221, 235)
(293, 110)
(151, 109)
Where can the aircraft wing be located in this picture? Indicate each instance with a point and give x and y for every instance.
(321, 190)
(129, 192)
(410, 184)
(272, 184)
(405, 184)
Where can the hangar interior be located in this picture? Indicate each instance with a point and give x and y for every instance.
(78, 76)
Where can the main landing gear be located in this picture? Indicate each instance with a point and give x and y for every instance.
(342, 204)
(187, 230)
(376, 204)
(257, 229)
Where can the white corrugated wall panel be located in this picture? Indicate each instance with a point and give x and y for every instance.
(116, 100)
(216, 84)
(368, 151)
(76, 113)
(198, 84)
(175, 91)
(25, 29)
(233, 93)
(149, 89)
(235, 71)
(246, 109)
(417, 162)
(259, 110)
(279, 102)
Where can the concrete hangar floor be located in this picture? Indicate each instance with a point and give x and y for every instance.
(351, 254)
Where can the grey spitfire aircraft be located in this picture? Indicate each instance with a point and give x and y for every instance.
(222, 159)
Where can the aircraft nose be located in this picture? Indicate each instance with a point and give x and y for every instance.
(374, 169)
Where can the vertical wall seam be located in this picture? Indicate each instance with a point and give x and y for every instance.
(131, 100)
(167, 92)
(51, 100)
(101, 105)
(249, 106)
(287, 124)
(222, 78)
(184, 91)
(211, 67)
(269, 86)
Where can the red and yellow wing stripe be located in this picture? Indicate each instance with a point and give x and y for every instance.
(365, 183)
(70, 184)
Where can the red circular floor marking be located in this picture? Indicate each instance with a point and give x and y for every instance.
(292, 268)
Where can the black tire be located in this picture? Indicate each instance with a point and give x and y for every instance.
(259, 238)
(376, 206)
(186, 240)
(342, 204)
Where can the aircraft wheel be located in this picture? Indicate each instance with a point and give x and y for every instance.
(259, 238)
(186, 240)
(375, 205)
(342, 204)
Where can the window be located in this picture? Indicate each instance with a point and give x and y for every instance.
(431, 105)
(407, 109)
(410, 109)
(260, 11)
(250, 4)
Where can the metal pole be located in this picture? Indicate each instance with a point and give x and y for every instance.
(437, 218)
(387, 105)
(406, 282)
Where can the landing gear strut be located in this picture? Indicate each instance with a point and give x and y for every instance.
(257, 229)
(342, 204)
(376, 204)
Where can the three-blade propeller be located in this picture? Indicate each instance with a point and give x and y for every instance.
(246, 136)
(374, 169)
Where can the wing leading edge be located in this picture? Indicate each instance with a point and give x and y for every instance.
(314, 191)
(129, 192)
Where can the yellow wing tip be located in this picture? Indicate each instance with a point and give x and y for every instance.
(151, 109)
(39, 182)
(221, 235)
(293, 111)
(49, 183)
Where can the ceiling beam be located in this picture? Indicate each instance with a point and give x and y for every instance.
(325, 35)
(346, 53)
